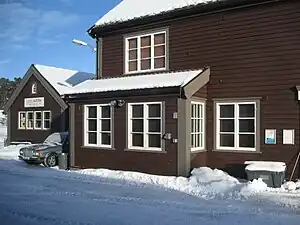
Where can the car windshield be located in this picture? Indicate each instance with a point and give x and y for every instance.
(55, 138)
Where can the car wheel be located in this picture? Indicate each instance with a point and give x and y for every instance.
(50, 160)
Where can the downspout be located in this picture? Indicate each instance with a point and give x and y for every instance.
(98, 58)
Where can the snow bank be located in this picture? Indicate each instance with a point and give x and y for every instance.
(203, 182)
(10, 152)
(265, 166)
(3, 131)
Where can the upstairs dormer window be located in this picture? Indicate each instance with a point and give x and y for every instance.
(34, 88)
(147, 52)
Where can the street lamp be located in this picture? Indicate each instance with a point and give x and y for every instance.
(82, 43)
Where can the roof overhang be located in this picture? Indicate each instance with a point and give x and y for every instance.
(186, 90)
(201, 9)
(32, 71)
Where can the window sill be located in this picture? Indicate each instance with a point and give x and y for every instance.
(141, 72)
(98, 148)
(145, 151)
(237, 151)
(197, 151)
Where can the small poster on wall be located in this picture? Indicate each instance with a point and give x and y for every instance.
(288, 137)
(270, 136)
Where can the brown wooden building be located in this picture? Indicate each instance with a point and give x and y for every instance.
(249, 109)
(36, 108)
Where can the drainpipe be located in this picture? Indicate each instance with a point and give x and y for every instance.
(98, 58)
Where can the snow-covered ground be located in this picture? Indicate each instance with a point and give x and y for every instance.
(38, 195)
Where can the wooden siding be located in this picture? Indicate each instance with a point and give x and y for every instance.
(253, 52)
(119, 158)
(50, 104)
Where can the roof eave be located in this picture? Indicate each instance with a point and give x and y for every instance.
(205, 8)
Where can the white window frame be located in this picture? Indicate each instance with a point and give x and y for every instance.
(27, 120)
(145, 126)
(35, 118)
(99, 128)
(34, 88)
(43, 119)
(138, 37)
(202, 120)
(236, 126)
(19, 120)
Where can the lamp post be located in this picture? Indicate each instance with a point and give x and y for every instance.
(82, 43)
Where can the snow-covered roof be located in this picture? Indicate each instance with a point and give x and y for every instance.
(147, 81)
(132, 9)
(63, 80)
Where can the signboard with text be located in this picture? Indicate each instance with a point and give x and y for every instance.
(33, 102)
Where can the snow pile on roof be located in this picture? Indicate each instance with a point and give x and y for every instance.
(265, 166)
(161, 80)
(133, 9)
(62, 79)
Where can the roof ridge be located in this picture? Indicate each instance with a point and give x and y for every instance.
(56, 67)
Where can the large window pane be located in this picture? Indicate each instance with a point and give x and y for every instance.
(159, 39)
(227, 140)
(92, 111)
(226, 111)
(47, 124)
(47, 115)
(246, 125)
(159, 51)
(137, 140)
(154, 110)
(105, 139)
(137, 111)
(146, 41)
(133, 54)
(92, 138)
(247, 140)
(105, 111)
(154, 140)
(132, 43)
(137, 125)
(159, 63)
(154, 125)
(132, 66)
(105, 125)
(247, 110)
(145, 64)
(92, 125)
(145, 53)
(226, 125)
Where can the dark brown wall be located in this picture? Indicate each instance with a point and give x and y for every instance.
(253, 52)
(50, 104)
(155, 163)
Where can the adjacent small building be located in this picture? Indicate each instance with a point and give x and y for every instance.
(36, 108)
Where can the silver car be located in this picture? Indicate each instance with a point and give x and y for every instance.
(47, 152)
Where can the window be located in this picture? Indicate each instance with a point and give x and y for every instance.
(29, 120)
(46, 120)
(98, 125)
(38, 120)
(146, 52)
(236, 126)
(197, 126)
(22, 120)
(145, 126)
(34, 88)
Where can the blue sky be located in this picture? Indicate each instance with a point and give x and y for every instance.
(41, 32)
